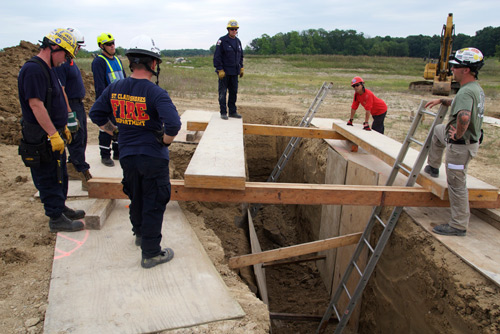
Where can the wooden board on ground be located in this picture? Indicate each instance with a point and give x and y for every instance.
(480, 248)
(186, 136)
(98, 285)
(260, 272)
(219, 159)
(387, 150)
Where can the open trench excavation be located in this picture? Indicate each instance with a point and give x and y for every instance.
(418, 286)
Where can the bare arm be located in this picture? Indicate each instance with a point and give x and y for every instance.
(109, 128)
(353, 112)
(463, 121)
(42, 116)
(367, 116)
(168, 139)
(432, 103)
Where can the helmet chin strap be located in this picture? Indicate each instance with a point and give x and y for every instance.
(157, 73)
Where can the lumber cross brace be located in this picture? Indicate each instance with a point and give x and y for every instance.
(293, 193)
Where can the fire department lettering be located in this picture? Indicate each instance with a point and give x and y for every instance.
(130, 110)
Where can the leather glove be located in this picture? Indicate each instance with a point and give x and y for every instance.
(350, 122)
(57, 143)
(67, 135)
(242, 71)
(221, 74)
(73, 124)
(115, 135)
(366, 126)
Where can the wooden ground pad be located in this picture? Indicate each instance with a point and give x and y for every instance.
(98, 285)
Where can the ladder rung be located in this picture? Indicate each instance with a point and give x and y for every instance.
(336, 312)
(404, 168)
(380, 220)
(368, 244)
(416, 141)
(425, 111)
(346, 291)
(357, 268)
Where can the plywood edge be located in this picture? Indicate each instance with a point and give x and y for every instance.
(214, 182)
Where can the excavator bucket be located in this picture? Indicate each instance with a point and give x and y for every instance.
(441, 87)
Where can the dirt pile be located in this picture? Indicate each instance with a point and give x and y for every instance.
(11, 61)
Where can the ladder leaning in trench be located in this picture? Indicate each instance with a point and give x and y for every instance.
(295, 141)
(388, 227)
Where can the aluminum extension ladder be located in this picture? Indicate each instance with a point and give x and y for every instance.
(295, 141)
(364, 243)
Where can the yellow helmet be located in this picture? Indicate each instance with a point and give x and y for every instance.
(233, 24)
(105, 37)
(65, 39)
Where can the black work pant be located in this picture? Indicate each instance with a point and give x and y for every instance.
(105, 142)
(228, 83)
(378, 123)
(78, 145)
(146, 182)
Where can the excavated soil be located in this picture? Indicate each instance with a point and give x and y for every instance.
(417, 287)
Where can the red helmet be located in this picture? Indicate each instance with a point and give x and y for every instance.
(356, 80)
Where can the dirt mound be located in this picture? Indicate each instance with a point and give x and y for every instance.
(11, 61)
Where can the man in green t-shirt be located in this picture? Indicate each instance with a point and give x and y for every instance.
(460, 137)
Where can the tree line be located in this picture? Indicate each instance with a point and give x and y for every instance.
(350, 42)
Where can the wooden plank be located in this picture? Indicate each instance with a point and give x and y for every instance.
(260, 272)
(336, 167)
(186, 135)
(219, 159)
(387, 150)
(297, 250)
(98, 213)
(353, 220)
(480, 248)
(98, 285)
(277, 130)
(491, 216)
(293, 193)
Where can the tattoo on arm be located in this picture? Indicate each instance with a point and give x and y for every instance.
(463, 121)
(109, 127)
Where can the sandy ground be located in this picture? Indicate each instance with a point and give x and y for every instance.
(442, 294)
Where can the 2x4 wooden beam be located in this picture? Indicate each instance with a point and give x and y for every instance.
(276, 130)
(293, 193)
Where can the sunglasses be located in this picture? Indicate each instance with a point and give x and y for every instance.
(109, 43)
(233, 29)
(458, 66)
(356, 85)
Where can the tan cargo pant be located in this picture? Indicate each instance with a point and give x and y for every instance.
(456, 160)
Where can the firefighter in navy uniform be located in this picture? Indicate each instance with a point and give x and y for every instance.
(45, 116)
(148, 122)
(71, 80)
(107, 69)
(228, 63)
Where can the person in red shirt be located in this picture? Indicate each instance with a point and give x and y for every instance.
(372, 104)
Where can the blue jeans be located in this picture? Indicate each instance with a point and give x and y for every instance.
(146, 182)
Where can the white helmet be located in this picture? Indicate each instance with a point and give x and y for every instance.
(143, 45)
(80, 39)
(469, 57)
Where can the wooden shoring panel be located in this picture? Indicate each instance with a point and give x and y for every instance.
(387, 150)
(219, 159)
(293, 193)
(276, 130)
(260, 272)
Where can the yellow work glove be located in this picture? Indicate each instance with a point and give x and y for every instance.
(67, 135)
(221, 74)
(57, 142)
(242, 71)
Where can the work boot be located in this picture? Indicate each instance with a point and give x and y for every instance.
(165, 255)
(434, 172)
(447, 229)
(85, 176)
(73, 214)
(223, 116)
(72, 172)
(64, 224)
(234, 115)
(108, 162)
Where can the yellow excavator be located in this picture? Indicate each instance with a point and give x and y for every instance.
(440, 72)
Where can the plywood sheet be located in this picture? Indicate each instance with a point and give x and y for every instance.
(219, 159)
(480, 248)
(98, 285)
(387, 150)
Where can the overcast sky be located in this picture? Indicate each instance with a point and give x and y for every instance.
(183, 24)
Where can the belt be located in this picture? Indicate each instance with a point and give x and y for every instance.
(77, 100)
(461, 142)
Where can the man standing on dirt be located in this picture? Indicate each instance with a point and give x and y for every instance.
(373, 105)
(44, 120)
(107, 69)
(148, 123)
(460, 137)
(228, 63)
(72, 83)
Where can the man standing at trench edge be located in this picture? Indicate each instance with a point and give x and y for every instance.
(228, 63)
